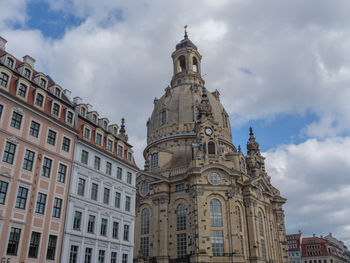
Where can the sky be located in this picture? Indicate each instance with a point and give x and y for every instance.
(282, 67)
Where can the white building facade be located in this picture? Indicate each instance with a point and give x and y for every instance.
(101, 206)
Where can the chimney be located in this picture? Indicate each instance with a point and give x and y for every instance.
(29, 60)
(314, 235)
(3, 42)
(77, 100)
(68, 93)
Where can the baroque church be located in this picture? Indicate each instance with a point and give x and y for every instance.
(200, 199)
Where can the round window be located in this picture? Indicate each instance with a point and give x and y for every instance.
(214, 178)
(144, 189)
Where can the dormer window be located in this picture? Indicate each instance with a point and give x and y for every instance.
(4, 78)
(42, 83)
(105, 125)
(70, 117)
(82, 111)
(86, 133)
(120, 150)
(58, 92)
(9, 62)
(115, 131)
(94, 118)
(39, 100)
(109, 145)
(22, 90)
(56, 109)
(26, 73)
(129, 156)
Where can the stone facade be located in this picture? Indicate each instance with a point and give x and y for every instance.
(200, 199)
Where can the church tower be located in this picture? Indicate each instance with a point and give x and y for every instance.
(199, 198)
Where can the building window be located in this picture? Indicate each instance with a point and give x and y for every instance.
(217, 242)
(3, 191)
(56, 109)
(106, 196)
(57, 208)
(242, 246)
(57, 92)
(94, 118)
(86, 133)
(101, 256)
(104, 223)
(73, 256)
(70, 117)
(211, 147)
(65, 144)
(119, 173)
(12, 245)
(81, 187)
(22, 90)
(88, 255)
(34, 245)
(28, 160)
(9, 153)
(144, 245)
(263, 248)
(163, 117)
(109, 145)
(129, 156)
(99, 139)
(77, 220)
(84, 157)
(91, 224)
(51, 137)
(1, 110)
(42, 83)
(113, 257)
(127, 203)
(40, 203)
(115, 229)
(21, 200)
(51, 247)
(26, 73)
(181, 245)
(46, 171)
(34, 129)
(117, 200)
(181, 217)
(154, 160)
(145, 221)
(62, 171)
(9, 62)
(128, 177)
(4, 78)
(97, 163)
(94, 191)
(16, 120)
(39, 100)
(126, 233)
(105, 125)
(179, 187)
(120, 150)
(239, 219)
(260, 223)
(215, 213)
(82, 111)
(125, 258)
(108, 168)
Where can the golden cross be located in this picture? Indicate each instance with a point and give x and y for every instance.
(185, 29)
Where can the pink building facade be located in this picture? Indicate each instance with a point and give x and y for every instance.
(37, 137)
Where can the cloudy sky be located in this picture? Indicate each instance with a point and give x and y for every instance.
(282, 67)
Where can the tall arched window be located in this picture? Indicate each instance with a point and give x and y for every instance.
(145, 221)
(195, 64)
(211, 147)
(239, 218)
(181, 217)
(260, 223)
(181, 64)
(215, 213)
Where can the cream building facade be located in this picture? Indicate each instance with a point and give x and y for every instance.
(200, 199)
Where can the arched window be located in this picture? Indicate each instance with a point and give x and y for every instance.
(181, 217)
(211, 147)
(239, 218)
(215, 213)
(182, 64)
(154, 160)
(260, 223)
(195, 64)
(145, 221)
(163, 117)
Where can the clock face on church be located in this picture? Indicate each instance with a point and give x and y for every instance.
(208, 131)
